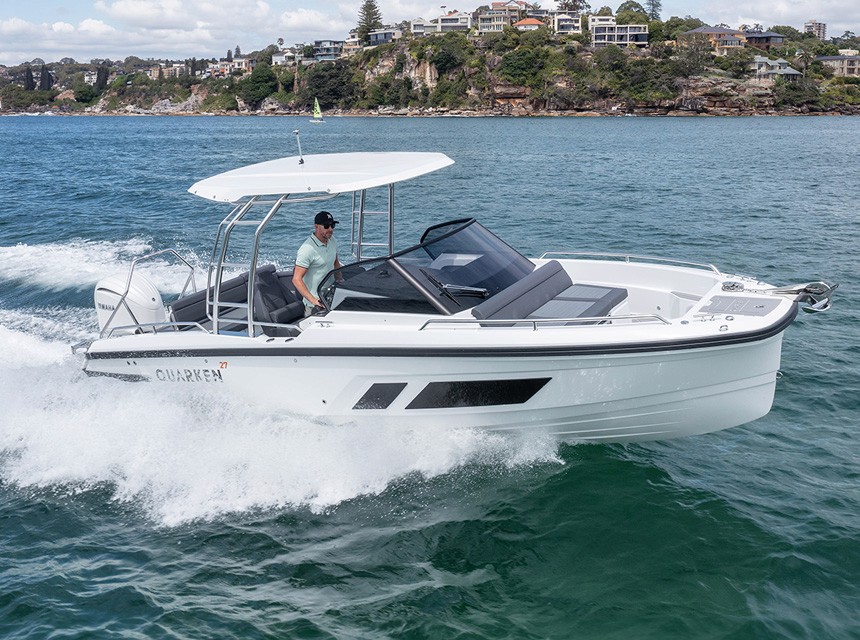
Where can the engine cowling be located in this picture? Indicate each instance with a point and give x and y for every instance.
(143, 304)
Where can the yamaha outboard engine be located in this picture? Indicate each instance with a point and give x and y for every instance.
(142, 304)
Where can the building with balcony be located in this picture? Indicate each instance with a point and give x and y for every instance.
(843, 66)
(764, 40)
(565, 23)
(351, 45)
(767, 71)
(723, 41)
(455, 21)
(501, 15)
(818, 29)
(285, 58)
(327, 50)
(386, 35)
(495, 21)
(605, 31)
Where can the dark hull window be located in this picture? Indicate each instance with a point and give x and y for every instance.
(477, 393)
(380, 395)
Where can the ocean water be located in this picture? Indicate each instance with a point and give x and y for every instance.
(133, 512)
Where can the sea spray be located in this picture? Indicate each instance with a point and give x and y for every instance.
(182, 458)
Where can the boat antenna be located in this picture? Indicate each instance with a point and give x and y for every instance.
(299, 142)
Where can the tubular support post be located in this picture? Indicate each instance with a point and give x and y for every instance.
(122, 299)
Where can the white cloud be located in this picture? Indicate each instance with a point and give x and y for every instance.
(14, 26)
(303, 25)
(146, 13)
(839, 15)
(96, 28)
(62, 27)
(207, 28)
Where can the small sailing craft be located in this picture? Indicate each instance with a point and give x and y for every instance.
(318, 117)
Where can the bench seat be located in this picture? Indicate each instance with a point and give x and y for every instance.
(275, 301)
(547, 293)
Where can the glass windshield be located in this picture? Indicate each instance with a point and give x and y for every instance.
(457, 265)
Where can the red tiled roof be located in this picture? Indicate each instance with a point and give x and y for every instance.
(528, 21)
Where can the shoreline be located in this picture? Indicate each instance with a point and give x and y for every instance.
(452, 113)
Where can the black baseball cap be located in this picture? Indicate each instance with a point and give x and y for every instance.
(325, 218)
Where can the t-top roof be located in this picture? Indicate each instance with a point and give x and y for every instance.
(321, 173)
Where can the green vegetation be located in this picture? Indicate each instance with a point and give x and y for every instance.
(536, 68)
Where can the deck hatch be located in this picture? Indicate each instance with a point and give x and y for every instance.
(476, 393)
(380, 395)
(741, 306)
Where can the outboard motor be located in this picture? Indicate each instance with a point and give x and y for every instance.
(142, 304)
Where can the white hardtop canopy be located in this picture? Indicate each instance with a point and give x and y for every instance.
(322, 173)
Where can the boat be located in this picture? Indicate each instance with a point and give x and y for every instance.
(318, 117)
(457, 329)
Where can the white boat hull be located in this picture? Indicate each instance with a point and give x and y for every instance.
(619, 397)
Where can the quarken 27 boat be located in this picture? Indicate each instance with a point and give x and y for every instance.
(459, 329)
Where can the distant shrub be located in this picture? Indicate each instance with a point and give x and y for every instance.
(219, 102)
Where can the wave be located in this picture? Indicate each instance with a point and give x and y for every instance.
(79, 264)
(181, 458)
(60, 325)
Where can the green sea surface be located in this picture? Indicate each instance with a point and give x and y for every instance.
(135, 511)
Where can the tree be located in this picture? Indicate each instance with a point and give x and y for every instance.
(804, 59)
(45, 79)
(610, 59)
(332, 83)
(259, 85)
(369, 18)
(29, 82)
(604, 11)
(789, 32)
(694, 55)
(405, 28)
(101, 78)
(631, 17)
(280, 42)
(630, 5)
(266, 54)
(451, 54)
(738, 63)
(653, 8)
(238, 52)
(675, 26)
(573, 6)
(229, 55)
(85, 93)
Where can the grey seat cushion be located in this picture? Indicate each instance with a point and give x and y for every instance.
(582, 301)
(273, 302)
(192, 308)
(525, 296)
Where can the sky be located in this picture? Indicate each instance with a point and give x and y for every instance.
(179, 29)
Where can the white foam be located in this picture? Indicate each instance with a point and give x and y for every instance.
(79, 264)
(182, 459)
(64, 325)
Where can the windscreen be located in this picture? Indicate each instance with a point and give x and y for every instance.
(458, 265)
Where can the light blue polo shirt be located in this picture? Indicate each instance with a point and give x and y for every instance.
(318, 259)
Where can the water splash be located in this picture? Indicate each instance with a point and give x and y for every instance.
(79, 264)
(182, 458)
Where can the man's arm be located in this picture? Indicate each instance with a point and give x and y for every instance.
(299, 284)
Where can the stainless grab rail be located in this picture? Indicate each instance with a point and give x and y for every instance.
(536, 322)
(155, 326)
(628, 257)
(134, 263)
